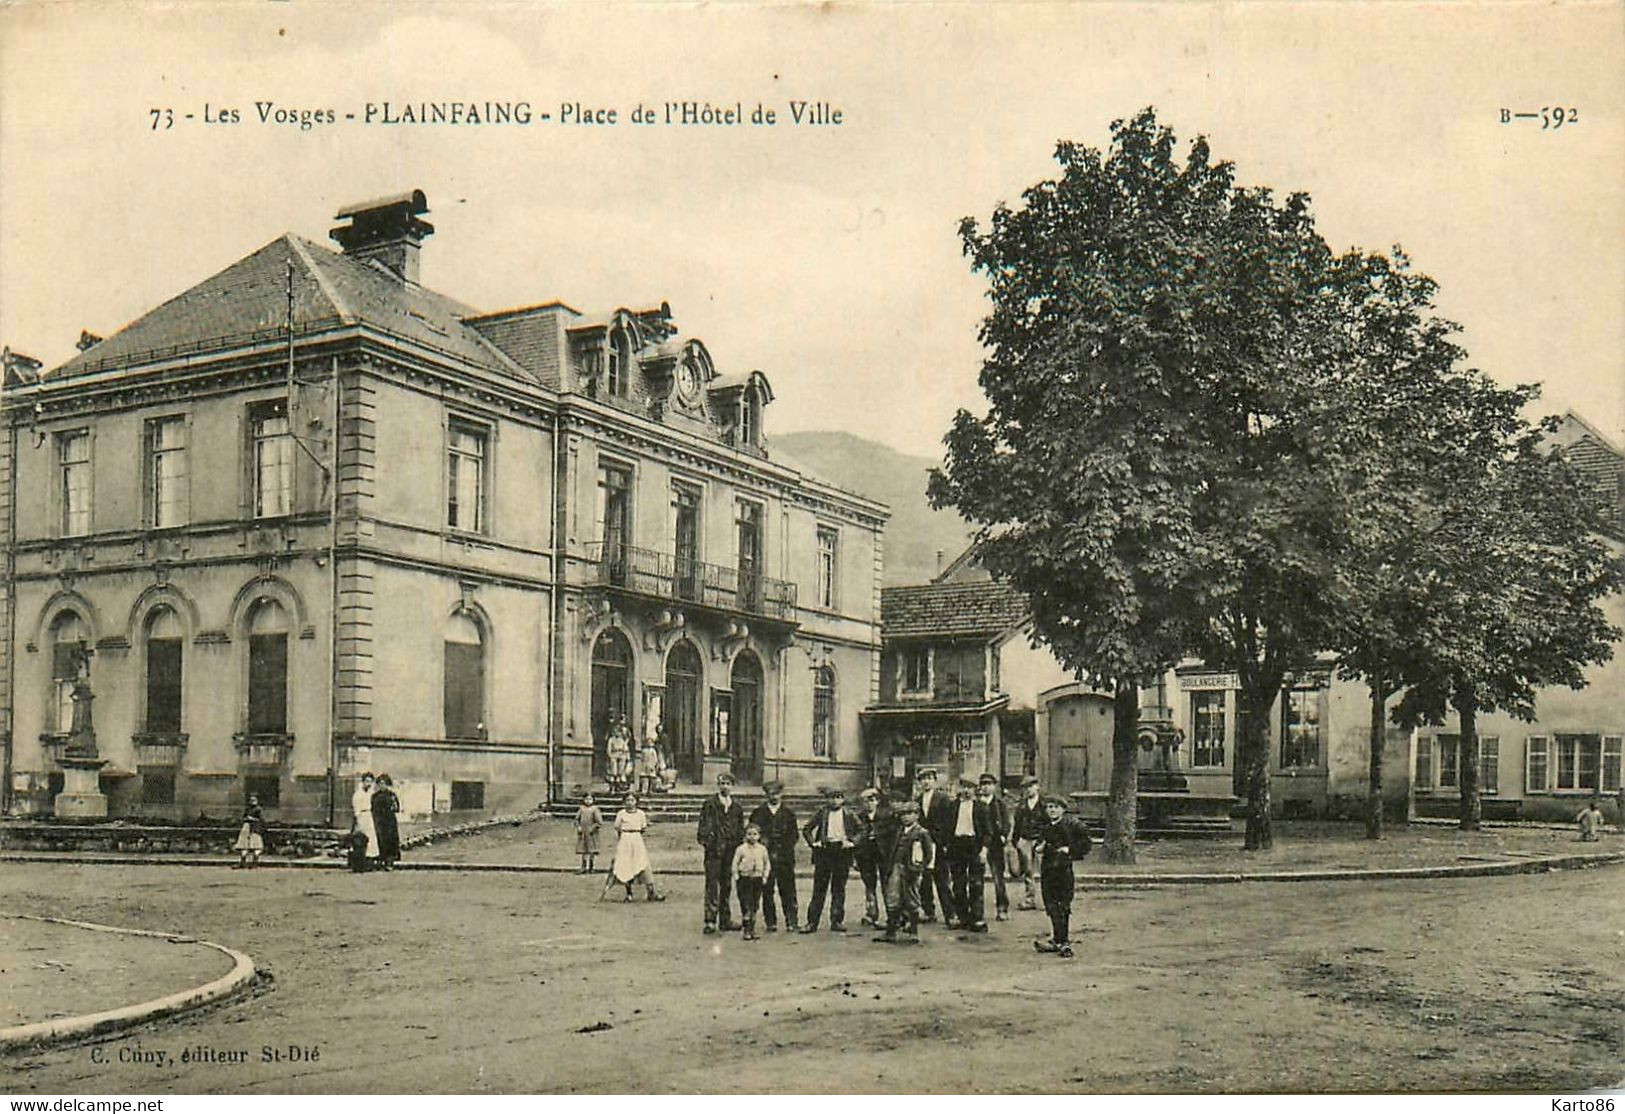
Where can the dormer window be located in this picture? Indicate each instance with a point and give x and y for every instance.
(620, 362)
(750, 418)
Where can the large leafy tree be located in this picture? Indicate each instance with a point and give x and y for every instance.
(1156, 468)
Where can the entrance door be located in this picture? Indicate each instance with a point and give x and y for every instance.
(745, 740)
(682, 711)
(611, 693)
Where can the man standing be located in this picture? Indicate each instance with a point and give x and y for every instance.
(870, 845)
(722, 830)
(988, 796)
(780, 834)
(937, 818)
(830, 834)
(969, 836)
(1029, 815)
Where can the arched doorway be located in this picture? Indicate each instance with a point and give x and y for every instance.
(682, 711)
(611, 693)
(745, 735)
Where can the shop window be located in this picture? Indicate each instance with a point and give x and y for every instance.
(1207, 728)
(1301, 729)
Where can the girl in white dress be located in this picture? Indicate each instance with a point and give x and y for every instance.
(631, 854)
(361, 806)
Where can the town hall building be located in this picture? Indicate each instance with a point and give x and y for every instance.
(309, 518)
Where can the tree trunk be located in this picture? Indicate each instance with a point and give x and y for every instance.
(1122, 804)
(1373, 792)
(1260, 836)
(1471, 808)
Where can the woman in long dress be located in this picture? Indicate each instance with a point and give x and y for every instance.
(385, 805)
(361, 806)
(631, 854)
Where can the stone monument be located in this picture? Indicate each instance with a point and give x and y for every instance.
(82, 797)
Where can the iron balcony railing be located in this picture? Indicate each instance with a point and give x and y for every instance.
(670, 577)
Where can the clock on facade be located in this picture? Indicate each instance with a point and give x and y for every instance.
(688, 382)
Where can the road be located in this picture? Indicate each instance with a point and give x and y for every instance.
(520, 983)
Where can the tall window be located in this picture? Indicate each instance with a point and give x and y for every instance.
(166, 472)
(1448, 746)
(465, 678)
(1300, 728)
(823, 737)
(615, 518)
(273, 460)
(750, 555)
(1537, 764)
(916, 669)
(1489, 764)
(828, 541)
(73, 463)
(1579, 761)
(69, 640)
(620, 363)
(268, 669)
(164, 641)
(1207, 728)
(686, 540)
(465, 477)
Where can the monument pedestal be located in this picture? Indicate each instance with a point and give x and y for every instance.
(81, 797)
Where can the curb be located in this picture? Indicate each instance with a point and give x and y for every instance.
(1099, 881)
(60, 1029)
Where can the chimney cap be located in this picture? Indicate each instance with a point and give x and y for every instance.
(412, 201)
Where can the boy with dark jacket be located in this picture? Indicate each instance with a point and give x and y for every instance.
(831, 834)
(909, 855)
(1061, 839)
(780, 834)
(867, 852)
(722, 830)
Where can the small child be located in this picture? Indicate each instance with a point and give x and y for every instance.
(1058, 840)
(588, 821)
(648, 767)
(251, 837)
(1590, 821)
(911, 856)
(751, 868)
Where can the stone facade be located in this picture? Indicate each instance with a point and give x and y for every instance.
(379, 540)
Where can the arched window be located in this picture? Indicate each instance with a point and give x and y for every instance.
(620, 362)
(465, 678)
(268, 669)
(823, 734)
(164, 638)
(69, 640)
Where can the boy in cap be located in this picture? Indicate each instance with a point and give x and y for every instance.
(987, 793)
(910, 856)
(937, 817)
(1029, 814)
(868, 851)
(780, 833)
(830, 834)
(969, 840)
(1060, 840)
(722, 830)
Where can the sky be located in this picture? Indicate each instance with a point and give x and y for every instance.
(826, 256)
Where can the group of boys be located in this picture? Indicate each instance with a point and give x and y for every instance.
(912, 856)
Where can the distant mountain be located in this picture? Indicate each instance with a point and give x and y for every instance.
(915, 533)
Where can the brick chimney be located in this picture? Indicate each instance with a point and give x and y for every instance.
(387, 230)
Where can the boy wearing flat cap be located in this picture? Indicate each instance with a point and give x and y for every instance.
(987, 794)
(830, 833)
(937, 817)
(1061, 839)
(970, 839)
(867, 853)
(722, 830)
(780, 834)
(909, 856)
(1028, 815)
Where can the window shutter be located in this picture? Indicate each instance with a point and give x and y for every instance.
(1611, 746)
(164, 685)
(267, 684)
(1424, 762)
(1536, 764)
